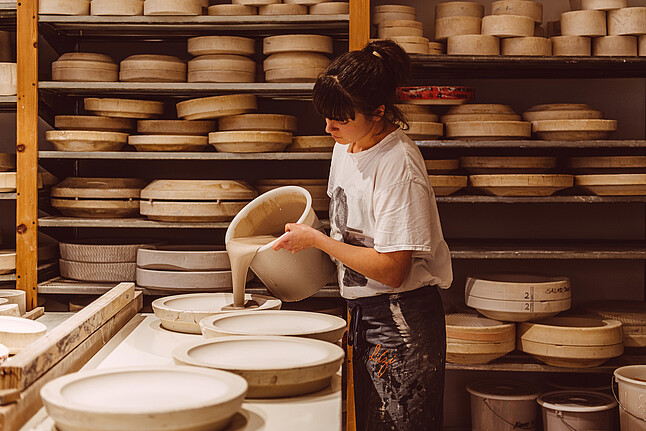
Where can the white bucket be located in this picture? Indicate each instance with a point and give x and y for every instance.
(503, 405)
(290, 277)
(577, 411)
(631, 395)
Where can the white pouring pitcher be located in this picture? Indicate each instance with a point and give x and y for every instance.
(290, 277)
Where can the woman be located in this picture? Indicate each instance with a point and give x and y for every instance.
(386, 240)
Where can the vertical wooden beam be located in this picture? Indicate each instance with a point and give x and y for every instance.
(359, 23)
(351, 421)
(27, 150)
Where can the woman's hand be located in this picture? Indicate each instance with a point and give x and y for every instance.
(297, 237)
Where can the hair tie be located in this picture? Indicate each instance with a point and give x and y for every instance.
(376, 54)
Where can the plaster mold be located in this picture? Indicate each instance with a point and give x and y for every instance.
(273, 366)
(182, 313)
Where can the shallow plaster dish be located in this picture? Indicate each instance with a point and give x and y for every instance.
(232, 10)
(249, 141)
(517, 311)
(145, 399)
(64, 7)
(184, 258)
(574, 129)
(14, 296)
(168, 142)
(107, 250)
(273, 366)
(182, 211)
(570, 356)
(173, 7)
(216, 106)
(279, 322)
(506, 165)
(424, 130)
(608, 164)
(330, 8)
(123, 108)
(117, 7)
(322, 144)
(93, 123)
(182, 313)
(270, 122)
(9, 310)
(17, 333)
(82, 140)
(441, 166)
(97, 208)
(518, 287)
(473, 44)
(572, 331)
(522, 184)
(197, 281)
(488, 130)
(445, 185)
(474, 328)
(461, 352)
(297, 43)
(613, 185)
(175, 127)
(99, 272)
(234, 45)
(571, 46)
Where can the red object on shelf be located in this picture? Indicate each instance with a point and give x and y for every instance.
(436, 93)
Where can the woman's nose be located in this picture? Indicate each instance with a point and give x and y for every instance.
(330, 126)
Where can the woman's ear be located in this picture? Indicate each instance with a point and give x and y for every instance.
(378, 114)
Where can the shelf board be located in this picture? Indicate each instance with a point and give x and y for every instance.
(62, 286)
(45, 271)
(505, 67)
(521, 362)
(8, 196)
(75, 222)
(177, 89)
(630, 143)
(162, 155)
(185, 26)
(533, 249)
(476, 199)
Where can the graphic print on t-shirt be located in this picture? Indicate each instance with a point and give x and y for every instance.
(351, 278)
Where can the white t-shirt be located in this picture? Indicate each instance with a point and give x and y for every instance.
(381, 198)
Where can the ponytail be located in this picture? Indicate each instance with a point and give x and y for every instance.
(361, 81)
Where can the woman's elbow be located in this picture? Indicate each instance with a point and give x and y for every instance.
(395, 280)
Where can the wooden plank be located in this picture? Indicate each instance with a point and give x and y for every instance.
(359, 24)
(178, 89)
(472, 199)
(34, 314)
(14, 416)
(351, 424)
(207, 155)
(76, 222)
(462, 249)
(27, 151)
(26, 367)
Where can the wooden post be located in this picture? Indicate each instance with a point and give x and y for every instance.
(359, 23)
(27, 151)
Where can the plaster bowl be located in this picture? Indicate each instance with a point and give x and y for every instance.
(144, 398)
(17, 333)
(279, 322)
(273, 366)
(15, 296)
(184, 258)
(182, 313)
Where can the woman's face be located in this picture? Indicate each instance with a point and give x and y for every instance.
(350, 131)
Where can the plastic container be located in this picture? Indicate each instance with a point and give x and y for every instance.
(631, 395)
(290, 277)
(577, 410)
(503, 405)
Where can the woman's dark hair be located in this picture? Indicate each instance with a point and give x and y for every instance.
(361, 81)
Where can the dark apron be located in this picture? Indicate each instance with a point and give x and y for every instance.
(399, 351)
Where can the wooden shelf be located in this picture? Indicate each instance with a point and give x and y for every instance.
(75, 222)
(45, 270)
(533, 249)
(206, 155)
(505, 67)
(521, 362)
(632, 143)
(166, 27)
(177, 89)
(62, 286)
(472, 199)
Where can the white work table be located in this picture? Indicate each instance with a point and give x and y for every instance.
(144, 342)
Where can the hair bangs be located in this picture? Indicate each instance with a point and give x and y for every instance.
(331, 100)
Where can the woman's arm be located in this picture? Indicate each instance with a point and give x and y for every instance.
(390, 269)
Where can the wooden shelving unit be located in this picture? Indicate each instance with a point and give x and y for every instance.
(205, 155)
(530, 143)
